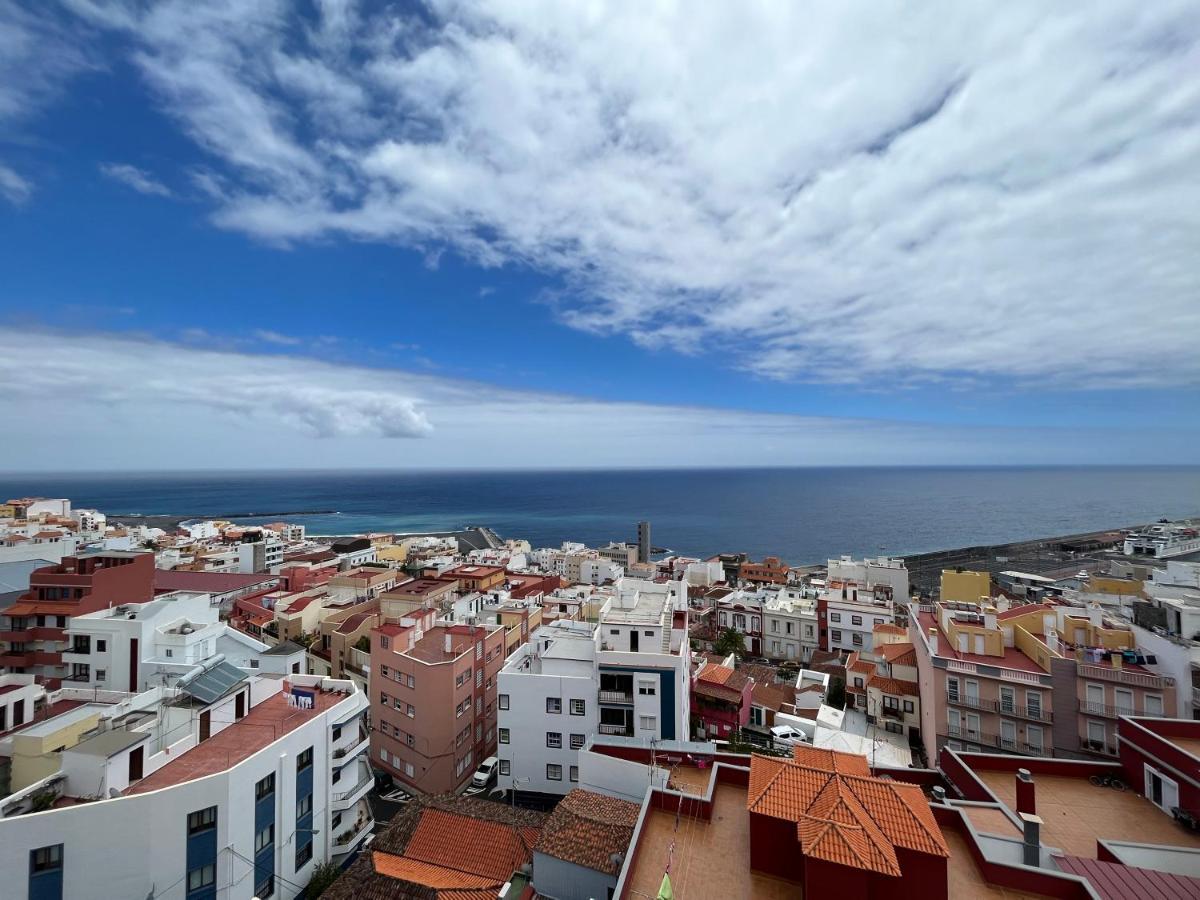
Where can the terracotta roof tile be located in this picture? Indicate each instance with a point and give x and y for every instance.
(495, 849)
(842, 814)
(426, 873)
(899, 654)
(715, 674)
(894, 686)
(589, 829)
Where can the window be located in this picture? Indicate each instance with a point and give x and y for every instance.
(254, 663)
(1033, 734)
(479, 678)
(952, 689)
(383, 670)
(410, 740)
(411, 712)
(101, 646)
(383, 698)
(574, 773)
(46, 859)
(856, 620)
(1008, 699)
(836, 635)
(304, 806)
(1033, 703)
(304, 854)
(202, 820)
(408, 770)
(1095, 733)
(554, 740)
(1153, 704)
(383, 754)
(264, 838)
(578, 707)
(267, 888)
(554, 705)
(775, 626)
(101, 674)
(505, 767)
(503, 698)
(858, 682)
(909, 706)
(168, 653)
(647, 723)
(835, 617)
(201, 877)
(577, 741)
(384, 642)
(856, 639)
(503, 735)
(304, 760)
(553, 772)
(265, 787)
(412, 682)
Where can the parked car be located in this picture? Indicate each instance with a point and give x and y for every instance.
(786, 734)
(486, 773)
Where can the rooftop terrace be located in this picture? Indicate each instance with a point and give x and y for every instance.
(263, 725)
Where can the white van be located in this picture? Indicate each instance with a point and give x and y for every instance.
(486, 773)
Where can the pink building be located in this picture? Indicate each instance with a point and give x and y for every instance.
(433, 699)
(721, 700)
(1038, 679)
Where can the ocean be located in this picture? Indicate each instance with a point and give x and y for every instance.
(803, 515)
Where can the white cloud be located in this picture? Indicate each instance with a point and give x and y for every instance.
(96, 401)
(274, 337)
(13, 187)
(138, 179)
(850, 192)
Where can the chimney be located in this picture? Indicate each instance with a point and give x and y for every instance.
(1032, 844)
(1026, 802)
(933, 640)
(939, 794)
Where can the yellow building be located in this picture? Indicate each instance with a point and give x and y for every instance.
(37, 751)
(963, 586)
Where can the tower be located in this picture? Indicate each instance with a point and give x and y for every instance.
(644, 542)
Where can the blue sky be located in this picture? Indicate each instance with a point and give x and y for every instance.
(947, 236)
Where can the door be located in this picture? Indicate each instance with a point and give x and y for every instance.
(973, 726)
(1095, 698)
(633, 641)
(133, 665)
(1008, 735)
(205, 725)
(1163, 792)
(135, 764)
(973, 693)
(239, 706)
(1008, 700)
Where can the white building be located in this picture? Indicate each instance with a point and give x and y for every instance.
(870, 572)
(598, 571)
(627, 676)
(16, 546)
(790, 625)
(852, 614)
(138, 646)
(228, 786)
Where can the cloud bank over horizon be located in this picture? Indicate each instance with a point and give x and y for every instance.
(852, 193)
(94, 402)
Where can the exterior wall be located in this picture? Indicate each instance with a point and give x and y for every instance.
(773, 850)
(566, 881)
(528, 752)
(840, 616)
(965, 587)
(156, 824)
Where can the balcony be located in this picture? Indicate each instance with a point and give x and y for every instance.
(972, 736)
(1036, 713)
(1022, 748)
(616, 697)
(1121, 676)
(892, 712)
(1098, 747)
(621, 730)
(23, 658)
(1100, 709)
(342, 800)
(972, 702)
(343, 755)
(345, 841)
(48, 634)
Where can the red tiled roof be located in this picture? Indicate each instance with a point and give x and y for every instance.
(842, 814)
(899, 654)
(589, 830)
(437, 877)
(894, 686)
(888, 628)
(770, 697)
(495, 850)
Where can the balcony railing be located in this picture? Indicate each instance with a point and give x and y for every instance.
(1037, 713)
(1121, 676)
(1099, 747)
(345, 799)
(892, 712)
(616, 697)
(344, 842)
(1021, 747)
(346, 752)
(1100, 709)
(623, 730)
(972, 702)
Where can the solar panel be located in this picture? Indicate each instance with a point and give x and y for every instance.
(215, 683)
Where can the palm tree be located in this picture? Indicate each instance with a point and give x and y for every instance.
(730, 641)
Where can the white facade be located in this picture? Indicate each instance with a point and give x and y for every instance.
(870, 572)
(850, 624)
(52, 549)
(790, 626)
(627, 676)
(136, 845)
(598, 571)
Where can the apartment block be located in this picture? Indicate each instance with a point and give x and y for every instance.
(627, 677)
(882, 570)
(847, 614)
(790, 628)
(34, 629)
(1037, 679)
(433, 699)
(771, 570)
(226, 785)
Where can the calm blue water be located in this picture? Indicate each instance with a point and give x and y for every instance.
(802, 515)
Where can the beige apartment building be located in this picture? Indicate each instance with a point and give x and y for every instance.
(433, 699)
(1038, 679)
